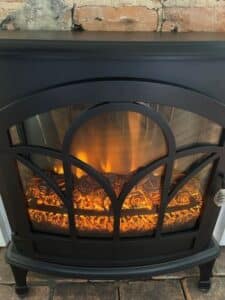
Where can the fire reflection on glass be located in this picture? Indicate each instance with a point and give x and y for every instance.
(118, 144)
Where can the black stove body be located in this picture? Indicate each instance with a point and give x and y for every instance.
(61, 95)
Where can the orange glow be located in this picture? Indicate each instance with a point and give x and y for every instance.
(106, 167)
(118, 142)
(58, 169)
(139, 212)
(56, 220)
(82, 156)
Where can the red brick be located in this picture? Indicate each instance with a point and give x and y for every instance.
(194, 19)
(124, 18)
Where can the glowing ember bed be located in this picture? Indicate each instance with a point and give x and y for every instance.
(94, 212)
(112, 152)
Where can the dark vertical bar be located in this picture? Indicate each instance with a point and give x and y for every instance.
(69, 195)
(164, 194)
(205, 275)
(116, 225)
(13, 197)
(20, 276)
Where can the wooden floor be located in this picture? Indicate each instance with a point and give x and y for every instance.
(177, 286)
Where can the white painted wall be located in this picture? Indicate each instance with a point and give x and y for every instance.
(219, 231)
(5, 231)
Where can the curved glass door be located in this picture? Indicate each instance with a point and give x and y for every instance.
(104, 172)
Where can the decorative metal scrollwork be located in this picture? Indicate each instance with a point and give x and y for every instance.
(212, 151)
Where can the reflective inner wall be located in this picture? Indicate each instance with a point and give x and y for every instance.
(118, 146)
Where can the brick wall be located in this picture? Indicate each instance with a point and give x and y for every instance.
(126, 15)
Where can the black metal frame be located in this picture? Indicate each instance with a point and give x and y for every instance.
(21, 264)
(117, 202)
(117, 90)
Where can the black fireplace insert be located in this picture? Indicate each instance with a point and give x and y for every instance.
(112, 152)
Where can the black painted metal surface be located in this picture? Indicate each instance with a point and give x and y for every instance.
(17, 259)
(41, 72)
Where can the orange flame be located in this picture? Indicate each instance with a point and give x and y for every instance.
(118, 142)
(58, 169)
(115, 144)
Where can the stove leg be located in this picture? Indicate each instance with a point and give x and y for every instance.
(205, 276)
(20, 276)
